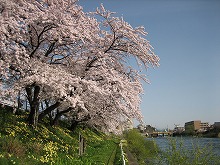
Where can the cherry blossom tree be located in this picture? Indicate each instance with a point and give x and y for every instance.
(39, 40)
(52, 50)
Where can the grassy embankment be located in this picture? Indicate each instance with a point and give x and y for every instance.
(21, 144)
(144, 151)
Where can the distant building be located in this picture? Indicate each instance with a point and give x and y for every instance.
(196, 126)
(149, 129)
(192, 125)
(178, 129)
(141, 128)
(204, 126)
(216, 125)
(146, 128)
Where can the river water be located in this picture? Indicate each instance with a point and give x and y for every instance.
(190, 142)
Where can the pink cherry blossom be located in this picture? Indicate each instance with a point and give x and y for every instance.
(60, 57)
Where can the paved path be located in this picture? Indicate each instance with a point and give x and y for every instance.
(131, 159)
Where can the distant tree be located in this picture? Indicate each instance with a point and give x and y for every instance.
(189, 130)
(52, 50)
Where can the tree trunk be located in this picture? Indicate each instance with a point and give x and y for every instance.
(74, 125)
(19, 100)
(76, 122)
(33, 115)
(34, 104)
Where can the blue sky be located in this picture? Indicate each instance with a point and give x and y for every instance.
(185, 35)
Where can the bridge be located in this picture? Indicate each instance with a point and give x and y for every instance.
(159, 134)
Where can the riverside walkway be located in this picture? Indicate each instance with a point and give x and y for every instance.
(125, 151)
(130, 157)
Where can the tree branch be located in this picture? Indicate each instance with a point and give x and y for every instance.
(45, 29)
(89, 64)
(50, 49)
(48, 110)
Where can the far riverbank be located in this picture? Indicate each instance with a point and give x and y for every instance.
(213, 133)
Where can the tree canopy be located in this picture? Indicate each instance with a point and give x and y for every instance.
(75, 63)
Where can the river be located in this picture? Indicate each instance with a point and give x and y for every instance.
(209, 145)
(190, 142)
(205, 148)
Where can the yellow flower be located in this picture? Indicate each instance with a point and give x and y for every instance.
(50, 152)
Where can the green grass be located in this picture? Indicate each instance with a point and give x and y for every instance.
(23, 145)
(143, 150)
(118, 157)
(147, 152)
(105, 152)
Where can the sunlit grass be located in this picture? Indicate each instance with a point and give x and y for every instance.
(21, 144)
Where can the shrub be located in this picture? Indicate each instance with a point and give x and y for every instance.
(12, 146)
